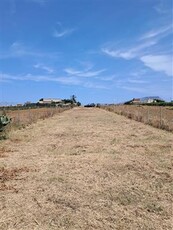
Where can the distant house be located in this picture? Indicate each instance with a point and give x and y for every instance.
(49, 101)
(144, 100)
(151, 99)
(135, 101)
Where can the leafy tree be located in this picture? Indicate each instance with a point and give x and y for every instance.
(73, 98)
(78, 103)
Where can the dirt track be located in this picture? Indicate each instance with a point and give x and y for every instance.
(86, 169)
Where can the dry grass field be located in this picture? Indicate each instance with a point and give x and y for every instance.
(157, 116)
(21, 118)
(88, 169)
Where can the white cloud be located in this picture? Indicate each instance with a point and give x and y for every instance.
(164, 31)
(72, 71)
(161, 63)
(129, 53)
(39, 78)
(60, 31)
(84, 73)
(65, 80)
(137, 81)
(44, 67)
(91, 73)
(94, 86)
(143, 45)
(148, 49)
(59, 34)
(19, 50)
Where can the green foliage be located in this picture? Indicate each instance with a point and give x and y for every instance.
(156, 103)
(161, 103)
(3, 136)
(4, 120)
(128, 102)
(73, 98)
(67, 101)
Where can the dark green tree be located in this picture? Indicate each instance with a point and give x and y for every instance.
(73, 98)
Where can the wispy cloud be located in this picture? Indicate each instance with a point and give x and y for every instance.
(84, 73)
(44, 67)
(47, 78)
(163, 7)
(61, 31)
(142, 46)
(161, 63)
(164, 31)
(59, 34)
(39, 78)
(129, 53)
(148, 49)
(94, 85)
(18, 50)
(137, 81)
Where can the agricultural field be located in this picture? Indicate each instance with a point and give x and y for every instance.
(157, 116)
(86, 168)
(23, 117)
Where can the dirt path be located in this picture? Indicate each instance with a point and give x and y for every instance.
(86, 169)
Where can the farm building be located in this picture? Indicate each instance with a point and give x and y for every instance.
(151, 99)
(144, 100)
(49, 101)
(136, 101)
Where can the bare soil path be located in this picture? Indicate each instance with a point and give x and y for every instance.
(86, 169)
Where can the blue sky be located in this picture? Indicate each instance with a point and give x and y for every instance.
(103, 51)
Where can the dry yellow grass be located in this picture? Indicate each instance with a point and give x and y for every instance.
(87, 168)
(157, 116)
(23, 117)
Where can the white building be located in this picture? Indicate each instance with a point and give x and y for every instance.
(49, 100)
